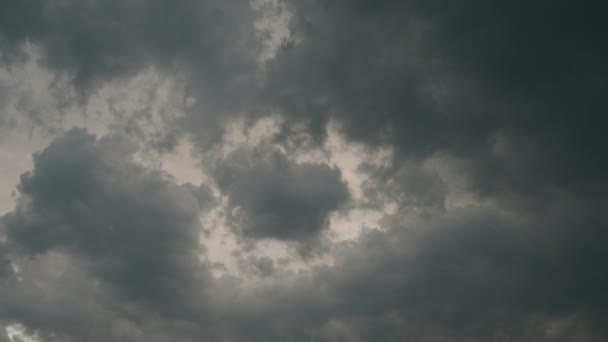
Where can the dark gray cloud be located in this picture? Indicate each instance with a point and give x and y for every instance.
(411, 187)
(471, 275)
(210, 45)
(513, 88)
(506, 96)
(133, 229)
(99, 40)
(466, 275)
(277, 197)
(203, 194)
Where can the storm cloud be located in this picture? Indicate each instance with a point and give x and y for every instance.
(280, 198)
(133, 229)
(321, 170)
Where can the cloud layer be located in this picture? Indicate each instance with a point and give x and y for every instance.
(383, 171)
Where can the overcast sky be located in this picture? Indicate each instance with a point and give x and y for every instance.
(291, 170)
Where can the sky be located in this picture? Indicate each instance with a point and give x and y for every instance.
(285, 170)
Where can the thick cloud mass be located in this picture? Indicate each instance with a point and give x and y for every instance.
(279, 198)
(97, 40)
(513, 88)
(481, 218)
(133, 229)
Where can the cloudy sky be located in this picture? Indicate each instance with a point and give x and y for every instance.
(290, 170)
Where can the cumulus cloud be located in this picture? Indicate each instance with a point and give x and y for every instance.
(489, 206)
(131, 227)
(488, 82)
(277, 197)
(98, 40)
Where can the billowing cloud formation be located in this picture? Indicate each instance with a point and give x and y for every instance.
(482, 218)
(211, 44)
(279, 198)
(98, 40)
(132, 228)
(513, 88)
